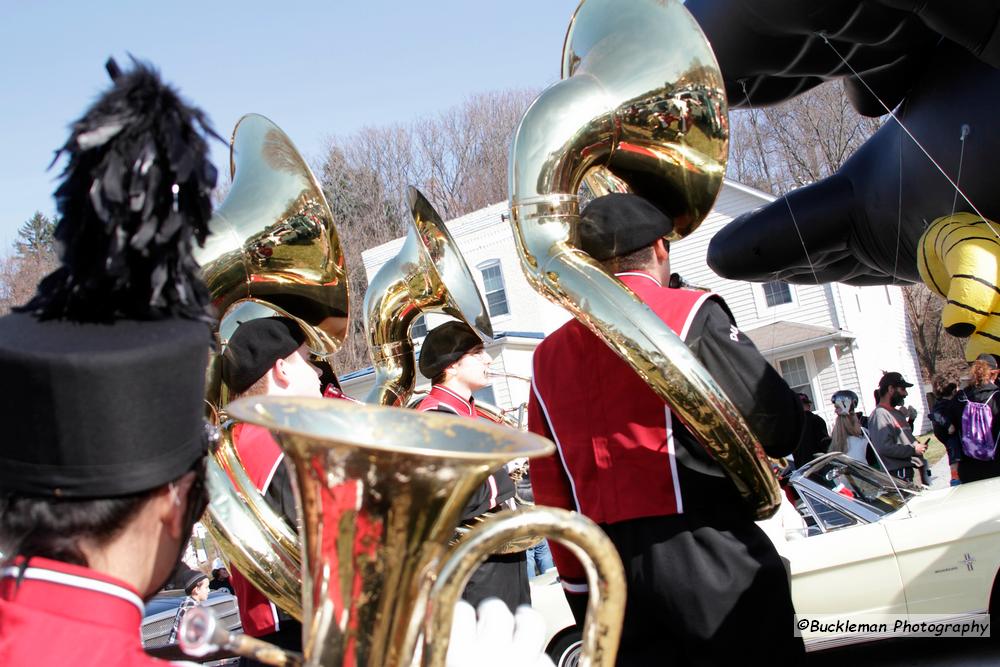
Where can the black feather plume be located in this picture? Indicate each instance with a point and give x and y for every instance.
(135, 194)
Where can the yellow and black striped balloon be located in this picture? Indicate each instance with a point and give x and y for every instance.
(959, 258)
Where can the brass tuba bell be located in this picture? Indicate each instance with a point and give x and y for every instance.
(381, 490)
(427, 275)
(641, 106)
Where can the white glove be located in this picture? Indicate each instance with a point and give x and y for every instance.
(497, 638)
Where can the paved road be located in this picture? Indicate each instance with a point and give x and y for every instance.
(917, 652)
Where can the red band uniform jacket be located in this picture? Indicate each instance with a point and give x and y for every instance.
(627, 462)
(55, 613)
(262, 459)
(504, 576)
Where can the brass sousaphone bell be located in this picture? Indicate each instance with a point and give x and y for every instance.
(427, 275)
(273, 248)
(641, 107)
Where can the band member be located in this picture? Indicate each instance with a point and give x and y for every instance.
(102, 459)
(267, 357)
(454, 358)
(702, 577)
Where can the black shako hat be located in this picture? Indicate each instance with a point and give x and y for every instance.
(104, 369)
(445, 345)
(617, 224)
(255, 346)
(892, 379)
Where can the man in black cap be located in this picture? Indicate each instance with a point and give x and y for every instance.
(102, 459)
(889, 431)
(454, 358)
(267, 357)
(702, 577)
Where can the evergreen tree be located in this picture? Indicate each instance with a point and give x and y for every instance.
(35, 236)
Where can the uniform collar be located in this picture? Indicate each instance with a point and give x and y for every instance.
(72, 591)
(631, 278)
(464, 407)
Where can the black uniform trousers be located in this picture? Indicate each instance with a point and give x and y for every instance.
(703, 592)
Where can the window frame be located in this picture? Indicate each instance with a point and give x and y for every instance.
(482, 267)
(760, 300)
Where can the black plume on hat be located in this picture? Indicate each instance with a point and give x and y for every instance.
(618, 224)
(445, 345)
(135, 192)
(255, 346)
(104, 369)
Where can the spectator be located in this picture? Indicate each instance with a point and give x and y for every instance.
(945, 393)
(976, 463)
(815, 438)
(220, 580)
(539, 556)
(196, 588)
(890, 434)
(847, 436)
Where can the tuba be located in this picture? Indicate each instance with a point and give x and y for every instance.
(381, 491)
(641, 107)
(428, 275)
(273, 248)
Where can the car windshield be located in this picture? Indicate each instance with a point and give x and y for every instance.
(861, 483)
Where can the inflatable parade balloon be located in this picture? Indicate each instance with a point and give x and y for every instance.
(939, 70)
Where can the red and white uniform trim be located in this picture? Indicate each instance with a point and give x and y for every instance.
(56, 613)
(616, 457)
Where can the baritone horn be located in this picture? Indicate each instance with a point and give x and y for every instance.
(427, 275)
(273, 248)
(381, 491)
(641, 107)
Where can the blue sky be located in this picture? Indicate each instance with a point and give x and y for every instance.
(315, 68)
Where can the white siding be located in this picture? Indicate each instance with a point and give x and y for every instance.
(873, 314)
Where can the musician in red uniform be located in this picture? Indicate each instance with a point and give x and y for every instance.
(453, 357)
(102, 459)
(267, 357)
(703, 580)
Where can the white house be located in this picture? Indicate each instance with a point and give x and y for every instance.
(821, 338)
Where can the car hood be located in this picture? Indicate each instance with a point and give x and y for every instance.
(979, 494)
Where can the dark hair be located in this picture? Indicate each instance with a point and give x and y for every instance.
(32, 526)
(634, 261)
(53, 527)
(215, 573)
(439, 378)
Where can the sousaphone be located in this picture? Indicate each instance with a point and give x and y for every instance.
(273, 248)
(427, 275)
(641, 107)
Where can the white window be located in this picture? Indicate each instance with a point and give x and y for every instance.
(493, 286)
(419, 328)
(776, 293)
(796, 374)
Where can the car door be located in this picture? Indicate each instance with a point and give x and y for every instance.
(846, 571)
(947, 559)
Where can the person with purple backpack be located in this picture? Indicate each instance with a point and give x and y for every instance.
(974, 415)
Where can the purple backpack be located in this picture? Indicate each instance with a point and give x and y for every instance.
(977, 430)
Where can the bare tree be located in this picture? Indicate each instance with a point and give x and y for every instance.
(938, 351)
(20, 275)
(780, 148)
(458, 160)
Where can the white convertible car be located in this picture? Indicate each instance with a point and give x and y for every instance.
(868, 548)
(861, 548)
